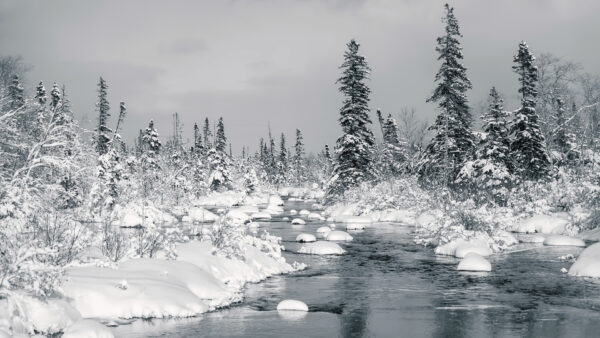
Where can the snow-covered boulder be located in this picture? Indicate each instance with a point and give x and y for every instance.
(201, 215)
(321, 248)
(304, 212)
(560, 240)
(87, 328)
(285, 219)
(355, 226)
(130, 219)
(545, 224)
(336, 235)
(261, 215)
(460, 248)
(253, 225)
(293, 212)
(298, 221)
(237, 216)
(274, 209)
(292, 305)
(474, 262)
(275, 200)
(588, 262)
(530, 238)
(306, 238)
(323, 231)
(315, 216)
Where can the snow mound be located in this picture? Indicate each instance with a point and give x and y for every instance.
(460, 248)
(248, 209)
(356, 219)
(474, 262)
(560, 240)
(321, 248)
(337, 235)
(305, 238)
(253, 225)
(130, 219)
(237, 216)
(530, 238)
(273, 210)
(87, 328)
(275, 200)
(304, 212)
(285, 219)
(355, 226)
(315, 216)
(293, 212)
(545, 224)
(588, 263)
(393, 215)
(323, 231)
(292, 305)
(298, 221)
(201, 215)
(261, 215)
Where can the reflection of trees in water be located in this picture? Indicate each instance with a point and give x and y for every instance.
(352, 286)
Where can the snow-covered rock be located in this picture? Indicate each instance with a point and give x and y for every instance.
(321, 248)
(237, 216)
(545, 224)
(530, 238)
(253, 225)
(337, 235)
(323, 231)
(274, 209)
(588, 262)
(261, 215)
(460, 248)
(87, 328)
(298, 221)
(560, 240)
(293, 212)
(356, 219)
(393, 215)
(474, 262)
(285, 219)
(305, 238)
(315, 216)
(355, 226)
(130, 219)
(304, 212)
(292, 305)
(275, 200)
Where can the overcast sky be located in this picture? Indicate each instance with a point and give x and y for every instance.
(261, 62)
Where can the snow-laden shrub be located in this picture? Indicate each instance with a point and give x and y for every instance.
(149, 239)
(486, 181)
(115, 243)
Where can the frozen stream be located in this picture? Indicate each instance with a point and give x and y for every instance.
(386, 286)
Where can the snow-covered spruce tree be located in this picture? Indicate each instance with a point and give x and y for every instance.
(16, 93)
(151, 146)
(354, 149)
(207, 134)
(393, 153)
(487, 178)
(283, 164)
(198, 147)
(453, 142)
(528, 148)
(104, 133)
(299, 165)
(563, 141)
(220, 138)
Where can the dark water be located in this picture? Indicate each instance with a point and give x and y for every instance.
(386, 286)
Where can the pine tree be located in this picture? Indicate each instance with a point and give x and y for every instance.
(453, 142)
(16, 93)
(394, 149)
(198, 148)
(528, 144)
(299, 167)
(104, 132)
(283, 162)
(354, 149)
(40, 94)
(207, 134)
(221, 140)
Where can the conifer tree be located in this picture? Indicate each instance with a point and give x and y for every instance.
(528, 144)
(198, 148)
(394, 149)
(40, 94)
(282, 163)
(299, 167)
(16, 93)
(220, 139)
(207, 134)
(453, 142)
(104, 132)
(354, 149)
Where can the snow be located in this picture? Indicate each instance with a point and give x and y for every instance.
(237, 216)
(588, 262)
(393, 215)
(298, 221)
(247, 209)
(304, 212)
(87, 328)
(273, 210)
(355, 219)
(530, 238)
(474, 262)
(261, 215)
(305, 238)
(201, 215)
(427, 217)
(275, 200)
(355, 226)
(321, 248)
(337, 235)
(460, 248)
(292, 305)
(323, 231)
(130, 219)
(293, 212)
(560, 240)
(545, 224)
(315, 216)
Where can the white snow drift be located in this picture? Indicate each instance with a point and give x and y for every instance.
(560, 240)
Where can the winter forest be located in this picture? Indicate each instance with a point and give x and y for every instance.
(483, 214)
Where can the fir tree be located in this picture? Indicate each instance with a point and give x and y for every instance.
(354, 149)
(207, 134)
(16, 93)
(282, 163)
(453, 142)
(40, 94)
(220, 139)
(299, 167)
(528, 144)
(198, 148)
(104, 132)
(394, 149)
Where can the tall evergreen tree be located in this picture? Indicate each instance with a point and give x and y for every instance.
(528, 144)
(283, 162)
(16, 93)
(40, 94)
(453, 142)
(104, 132)
(207, 134)
(394, 149)
(354, 149)
(198, 148)
(299, 167)
(220, 139)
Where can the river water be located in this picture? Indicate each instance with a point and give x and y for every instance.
(387, 286)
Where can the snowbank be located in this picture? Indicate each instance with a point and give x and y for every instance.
(298, 221)
(261, 215)
(323, 231)
(393, 215)
(560, 240)
(201, 215)
(588, 262)
(427, 217)
(248, 209)
(304, 212)
(305, 238)
(275, 200)
(460, 248)
(315, 216)
(337, 235)
(530, 238)
(321, 248)
(302, 193)
(474, 262)
(545, 224)
(87, 328)
(238, 216)
(292, 305)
